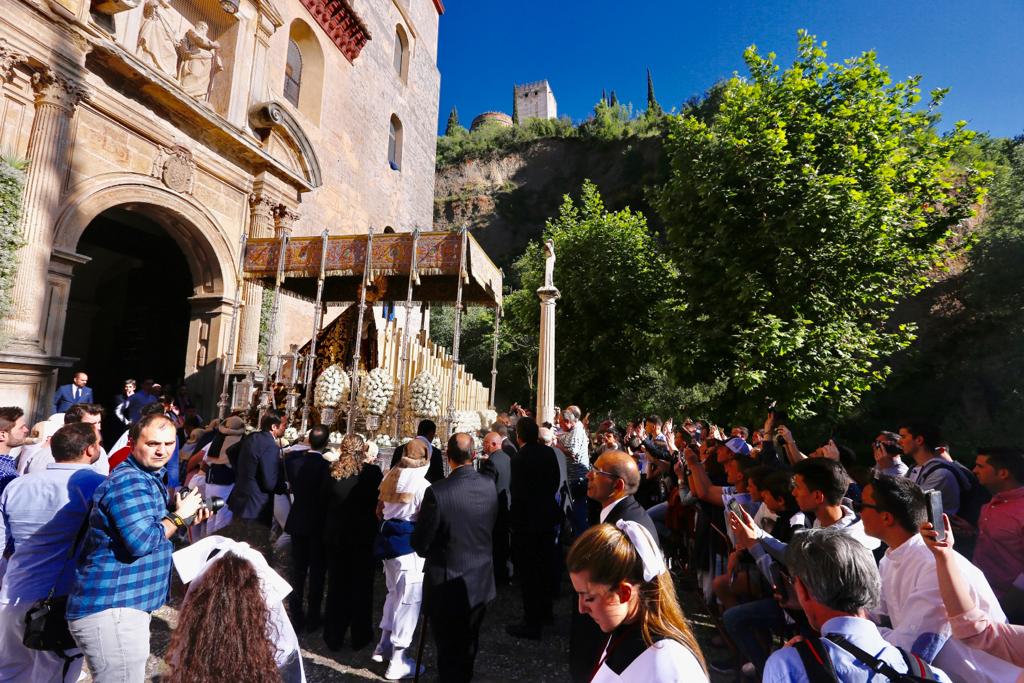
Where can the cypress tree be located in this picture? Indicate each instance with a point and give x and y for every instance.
(453, 122)
(613, 101)
(653, 108)
(604, 96)
(515, 107)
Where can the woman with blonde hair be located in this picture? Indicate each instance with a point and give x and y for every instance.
(622, 583)
(350, 499)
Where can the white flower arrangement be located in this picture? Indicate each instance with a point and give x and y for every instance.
(383, 441)
(466, 421)
(405, 440)
(335, 438)
(332, 386)
(425, 395)
(290, 436)
(487, 418)
(376, 390)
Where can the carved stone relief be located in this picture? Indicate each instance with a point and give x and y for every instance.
(176, 168)
(156, 45)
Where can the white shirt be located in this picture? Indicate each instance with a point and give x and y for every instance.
(667, 661)
(607, 509)
(910, 596)
(410, 480)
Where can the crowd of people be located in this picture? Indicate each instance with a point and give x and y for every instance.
(812, 566)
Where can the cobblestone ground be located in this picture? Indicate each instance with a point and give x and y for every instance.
(501, 657)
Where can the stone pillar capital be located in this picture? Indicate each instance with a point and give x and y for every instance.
(548, 295)
(284, 220)
(9, 59)
(262, 206)
(55, 89)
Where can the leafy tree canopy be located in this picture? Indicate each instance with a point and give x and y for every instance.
(798, 214)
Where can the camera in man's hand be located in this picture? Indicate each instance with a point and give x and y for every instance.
(213, 503)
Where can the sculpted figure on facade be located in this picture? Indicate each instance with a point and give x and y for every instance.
(549, 264)
(156, 44)
(198, 61)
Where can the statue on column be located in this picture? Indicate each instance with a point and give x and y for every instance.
(156, 45)
(549, 264)
(198, 61)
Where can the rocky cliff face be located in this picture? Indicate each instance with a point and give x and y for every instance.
(505, 199)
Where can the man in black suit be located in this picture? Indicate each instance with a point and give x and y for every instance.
(506, 443)
(426, 431)
(305, 472)
(534, 518)
(453, 533)
(611, 482)
(498, 465)
(257, 474)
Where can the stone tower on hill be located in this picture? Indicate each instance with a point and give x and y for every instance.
(536, 101)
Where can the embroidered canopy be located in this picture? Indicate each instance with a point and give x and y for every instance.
(390, 263)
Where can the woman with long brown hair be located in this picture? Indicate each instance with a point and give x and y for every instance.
(226, 629)
(349, 529)
(622, 583)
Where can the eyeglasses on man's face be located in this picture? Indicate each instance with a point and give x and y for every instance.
(603, 473)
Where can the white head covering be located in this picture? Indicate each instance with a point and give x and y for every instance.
(193, 561)
(646, 548)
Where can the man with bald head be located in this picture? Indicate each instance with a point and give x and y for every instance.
(497, 464)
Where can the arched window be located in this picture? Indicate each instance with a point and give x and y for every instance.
(293, 73)
(401, 57)
(304, 71)
(395, 144)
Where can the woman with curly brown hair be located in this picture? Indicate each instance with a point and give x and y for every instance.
(232, 625)
(622, 583)
(350, 496)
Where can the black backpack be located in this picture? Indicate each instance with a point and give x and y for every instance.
(819, 667)
(972, 494)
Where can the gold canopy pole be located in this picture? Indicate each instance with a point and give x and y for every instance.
(318, 319)
(463, 238)
(404, 364)
(229, 357)
(354, 377)
(267, 397)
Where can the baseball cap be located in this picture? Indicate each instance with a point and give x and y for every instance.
(738, 446)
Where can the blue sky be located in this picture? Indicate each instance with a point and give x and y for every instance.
(974, 48)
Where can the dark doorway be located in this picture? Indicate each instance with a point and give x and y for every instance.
(129, 312)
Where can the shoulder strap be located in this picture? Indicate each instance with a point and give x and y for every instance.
(74, 545)
(883, 668)
(817, 664)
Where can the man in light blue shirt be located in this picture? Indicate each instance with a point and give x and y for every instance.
(836, 581)
(41, 515)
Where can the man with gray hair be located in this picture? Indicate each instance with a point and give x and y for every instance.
(836, 582)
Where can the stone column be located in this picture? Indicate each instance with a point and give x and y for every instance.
(546, 357)
(261, 224)
(48, 157)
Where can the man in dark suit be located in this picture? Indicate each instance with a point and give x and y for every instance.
(257, 474)
(506, 443)
(305, 472)
(498, 465)
(426, 431)
(453, 533)
(70, 394)
(534, 519)
(613, 479)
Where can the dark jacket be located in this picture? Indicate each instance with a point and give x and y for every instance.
(534, 489)
(350, 504)
(454, 534)
(256, 477)
(306, 474)
(436, 470)
(509, 447)
(65, 397)
(498, 466)
(628, 509)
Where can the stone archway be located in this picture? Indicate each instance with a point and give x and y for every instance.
(111, 201)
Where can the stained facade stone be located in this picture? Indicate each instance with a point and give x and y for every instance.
(206, 149)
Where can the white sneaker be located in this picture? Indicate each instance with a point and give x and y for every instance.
(382, 652)
(401, 666)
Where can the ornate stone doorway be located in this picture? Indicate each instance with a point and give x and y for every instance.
(128, 309)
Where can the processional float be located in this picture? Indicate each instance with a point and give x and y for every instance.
(431, 267)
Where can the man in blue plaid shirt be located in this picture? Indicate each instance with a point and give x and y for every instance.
(125, 568)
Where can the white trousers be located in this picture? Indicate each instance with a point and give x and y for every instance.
(402, 606)
(223, 516)
(17, 662)
(116, 644)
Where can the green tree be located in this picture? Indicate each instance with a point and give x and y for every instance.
(653, 108)
(12, 183)
(810, 203)
(613, 100)
(613, 279)
(515, 107)
(453, 127)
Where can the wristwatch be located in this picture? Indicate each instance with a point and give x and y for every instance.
(177, 521)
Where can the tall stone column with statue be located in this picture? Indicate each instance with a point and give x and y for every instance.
(548, 294)
(56, 98)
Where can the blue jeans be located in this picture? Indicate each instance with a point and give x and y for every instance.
(744, 623)
(658, 513)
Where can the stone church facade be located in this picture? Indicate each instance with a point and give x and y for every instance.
(158, 132)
